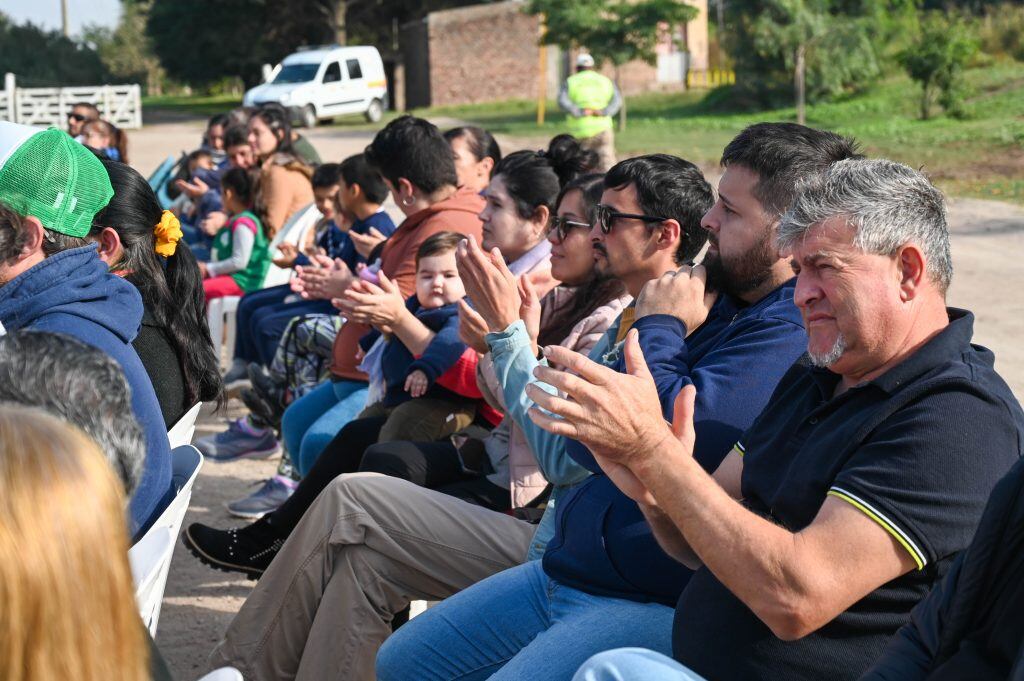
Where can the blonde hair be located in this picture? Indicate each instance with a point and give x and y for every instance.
(67, 604)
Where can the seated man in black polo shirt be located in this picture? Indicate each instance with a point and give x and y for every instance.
(865, 475)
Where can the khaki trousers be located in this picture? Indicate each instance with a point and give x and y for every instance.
(368, 546)
(604, 144)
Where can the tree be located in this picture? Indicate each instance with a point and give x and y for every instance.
(126, 50)
(822, 48)
(41, 58)
(614, 31)
(201, 42)
(937, 60)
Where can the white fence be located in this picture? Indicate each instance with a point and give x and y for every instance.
(46, 106)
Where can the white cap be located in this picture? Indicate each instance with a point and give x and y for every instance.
(584, 60)
(12, 136)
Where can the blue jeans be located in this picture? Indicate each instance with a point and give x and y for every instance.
(633, 664)
(313, 420)
(263, 317)
(519, 624)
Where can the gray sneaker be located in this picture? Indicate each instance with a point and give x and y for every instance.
(237, 376)
(266, 499)
(238, 442)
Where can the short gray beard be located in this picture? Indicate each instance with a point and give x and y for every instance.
(827, 359)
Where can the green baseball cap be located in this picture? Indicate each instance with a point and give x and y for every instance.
(48, 175)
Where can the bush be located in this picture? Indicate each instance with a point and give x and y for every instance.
(937, 60)
(1001, 32)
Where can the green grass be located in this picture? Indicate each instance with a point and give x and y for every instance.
(194, 105)
(980, 155)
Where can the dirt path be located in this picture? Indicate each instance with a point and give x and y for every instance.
(988, 238)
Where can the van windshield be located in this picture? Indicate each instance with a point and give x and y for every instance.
(296, 73)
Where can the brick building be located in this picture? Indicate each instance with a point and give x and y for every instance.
(489, 52)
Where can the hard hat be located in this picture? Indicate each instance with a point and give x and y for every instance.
(584, 60)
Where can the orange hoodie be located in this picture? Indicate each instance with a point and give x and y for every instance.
(457, 213)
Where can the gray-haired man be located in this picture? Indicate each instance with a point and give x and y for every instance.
(858, 484)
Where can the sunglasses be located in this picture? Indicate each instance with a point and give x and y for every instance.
(76, 117)
(605, 217)
(561, 225)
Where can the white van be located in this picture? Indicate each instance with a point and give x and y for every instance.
(325, 81)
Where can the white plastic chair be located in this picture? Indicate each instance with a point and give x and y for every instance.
(223, 674)
(147, 559)
(185, 464)
(181, 432)
(220, 312)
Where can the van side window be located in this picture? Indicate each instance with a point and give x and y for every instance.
(333, 72)
(355, 71)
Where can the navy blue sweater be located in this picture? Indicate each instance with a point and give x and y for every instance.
(441, 354)
(72, 292)
(602, 543)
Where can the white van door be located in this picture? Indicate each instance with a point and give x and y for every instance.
(331, 90)
(355, 93)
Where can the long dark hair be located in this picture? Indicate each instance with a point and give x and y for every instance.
(277, 119)
(172, 291)
(593, 293)
(245, 184)
(479, 142)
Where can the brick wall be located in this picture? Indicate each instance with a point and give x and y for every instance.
(483, 53)
(486, 53)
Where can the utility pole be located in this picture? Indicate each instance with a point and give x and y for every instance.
(64, 18)
(720, 11)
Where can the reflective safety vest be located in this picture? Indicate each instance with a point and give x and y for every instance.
(589, 90)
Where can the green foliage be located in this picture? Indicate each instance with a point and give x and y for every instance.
(980, 156)
(1001, 32)
(845, 42)
(616, 31)
(936, 60)
(41, 58)
(126, 50)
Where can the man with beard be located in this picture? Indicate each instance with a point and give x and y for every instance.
(603, 576)
(854, 490)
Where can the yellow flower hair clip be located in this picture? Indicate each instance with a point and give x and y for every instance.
(168, 233)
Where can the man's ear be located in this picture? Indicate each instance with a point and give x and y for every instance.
(34, 236)
(110, 246)
(910, 264)
(669, 233)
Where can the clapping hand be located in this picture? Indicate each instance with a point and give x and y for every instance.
(323, 280)
(489, 284)
(365, 243)
(472, 328)
(682, 294)
(380, 306)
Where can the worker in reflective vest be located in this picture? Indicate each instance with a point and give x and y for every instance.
(590, 100)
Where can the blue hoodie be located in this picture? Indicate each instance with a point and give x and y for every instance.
(72, 292)
(603, 544)
(440, 355)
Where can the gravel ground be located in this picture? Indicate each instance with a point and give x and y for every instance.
(199, 603)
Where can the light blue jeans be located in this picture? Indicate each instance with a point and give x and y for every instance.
(311, 422)
(633, 664)
(519, 624)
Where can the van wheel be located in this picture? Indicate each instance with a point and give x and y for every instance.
(308, 116)
(375, 111)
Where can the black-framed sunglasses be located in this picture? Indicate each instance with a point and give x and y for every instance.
(561, 225)
(76, 117)
(605, 217)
